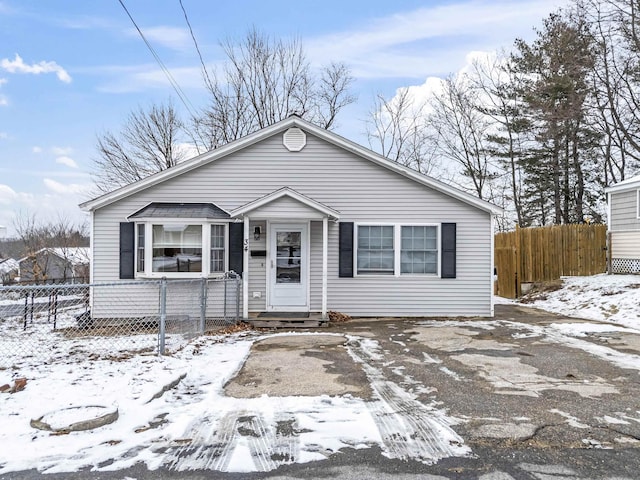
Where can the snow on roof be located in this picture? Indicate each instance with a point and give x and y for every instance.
(7, 265)
(629, 183)
(75, 255)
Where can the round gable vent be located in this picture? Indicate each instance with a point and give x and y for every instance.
(294, 139)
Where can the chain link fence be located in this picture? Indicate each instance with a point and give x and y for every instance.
(108, 320)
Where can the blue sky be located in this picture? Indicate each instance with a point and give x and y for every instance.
(70, 69)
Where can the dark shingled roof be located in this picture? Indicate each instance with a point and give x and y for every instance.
(180, 210)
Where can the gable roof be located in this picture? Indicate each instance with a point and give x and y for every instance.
(292, 121)
(628, 184)
(74, 255)
(286, 192)
(8, 265)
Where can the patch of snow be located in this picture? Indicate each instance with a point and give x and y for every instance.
(612, 298)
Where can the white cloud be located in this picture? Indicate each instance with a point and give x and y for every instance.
(170, 37)
(7, 194)
(61, 150)
(67, 188)
(3, 135)
(17, 65)
(68, 161)
(430, 40)
(36, 149)
(129, 80)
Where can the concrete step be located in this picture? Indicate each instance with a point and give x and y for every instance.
(267, 322)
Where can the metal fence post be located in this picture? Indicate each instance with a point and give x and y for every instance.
(203, 304)
(163, 314)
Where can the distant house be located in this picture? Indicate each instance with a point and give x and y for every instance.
(624, 225)
(311, 221)
(9, 269)
(64, 264)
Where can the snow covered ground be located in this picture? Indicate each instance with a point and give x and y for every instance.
(165, 430)
(610, 298)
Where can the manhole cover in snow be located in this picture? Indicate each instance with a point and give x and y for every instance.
(74, 419)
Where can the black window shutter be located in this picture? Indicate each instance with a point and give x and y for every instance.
(127, 248)
(236, 241)
(346, 249)
(448, 238)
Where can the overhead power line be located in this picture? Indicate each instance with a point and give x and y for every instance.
(181, 95)
(205, 72)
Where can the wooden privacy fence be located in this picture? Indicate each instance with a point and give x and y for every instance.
(540, 254)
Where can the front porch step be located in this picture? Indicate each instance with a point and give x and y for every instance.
(266, 321)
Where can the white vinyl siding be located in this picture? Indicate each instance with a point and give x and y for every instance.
(257, 268)
(625, 245)
(361, 192)
(625, 211)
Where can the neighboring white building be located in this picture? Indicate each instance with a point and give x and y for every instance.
(624, 225)
(56, 264)
(312, 221)
(9, 269)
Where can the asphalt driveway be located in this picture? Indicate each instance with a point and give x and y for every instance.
(524, 381)
(526, 394)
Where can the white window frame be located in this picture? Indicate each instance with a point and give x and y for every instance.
(206, 248)
(397, 249)
(638, 203)
(438, 249)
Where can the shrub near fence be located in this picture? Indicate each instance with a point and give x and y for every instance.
(44, 322)
(538, 254)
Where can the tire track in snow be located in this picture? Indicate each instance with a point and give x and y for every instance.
(409, 429)
(212, 446)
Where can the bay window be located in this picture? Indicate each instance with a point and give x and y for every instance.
(180, 249)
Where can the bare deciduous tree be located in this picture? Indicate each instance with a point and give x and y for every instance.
(147, 144)
(36, 236)
(396, 128)
(461, 130)
(264, 81)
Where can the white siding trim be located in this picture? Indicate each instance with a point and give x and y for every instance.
(609, 211)
(638, 203)
(325, 276)
(493, 263)
(288, 192)
(91, 256)
(245, 270)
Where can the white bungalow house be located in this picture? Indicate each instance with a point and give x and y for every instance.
(313, 222)
(623, 201)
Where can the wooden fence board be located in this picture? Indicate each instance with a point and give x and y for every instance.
(540, 254)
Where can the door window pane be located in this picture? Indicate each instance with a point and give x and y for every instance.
(288, 257)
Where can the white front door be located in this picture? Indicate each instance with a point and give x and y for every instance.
(289, 265)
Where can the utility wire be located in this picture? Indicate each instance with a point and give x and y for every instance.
(181, 95)
(205, 72)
